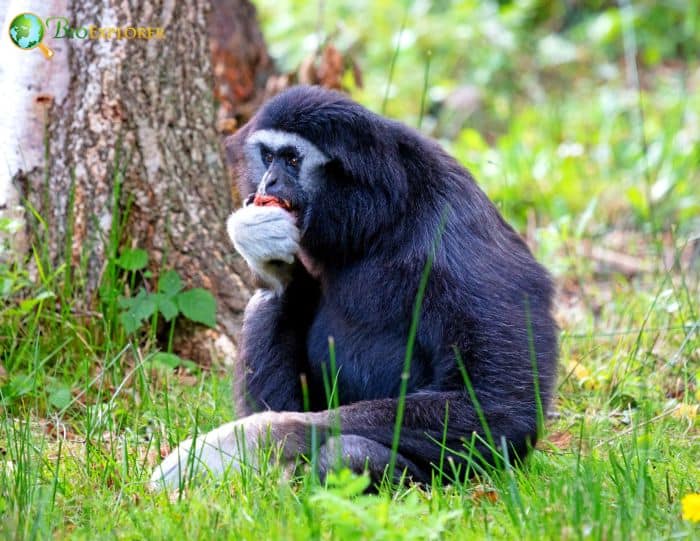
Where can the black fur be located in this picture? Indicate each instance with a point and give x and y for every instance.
(370, 231)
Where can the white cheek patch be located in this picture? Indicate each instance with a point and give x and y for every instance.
(312, 156)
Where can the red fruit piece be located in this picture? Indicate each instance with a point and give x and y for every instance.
(271, 201)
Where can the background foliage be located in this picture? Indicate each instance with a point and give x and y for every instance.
(557, 114)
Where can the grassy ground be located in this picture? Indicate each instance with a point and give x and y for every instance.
(600, 174)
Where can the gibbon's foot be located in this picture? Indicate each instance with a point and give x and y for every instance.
(231, 446)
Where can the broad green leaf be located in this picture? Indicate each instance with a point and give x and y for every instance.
(133, 259)
(166, 306)
(143, 306)
(129, 322)
(6, 284)
(60, 397)
(190, 365)
(637, 199)
(19, 385)
(27, 304)
(169, 283)
(198, 305)
(168, 359)
(125, 302)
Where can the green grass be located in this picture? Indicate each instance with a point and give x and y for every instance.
(618, 461)
(576, 156)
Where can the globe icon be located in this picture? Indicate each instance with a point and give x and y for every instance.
(27, 31)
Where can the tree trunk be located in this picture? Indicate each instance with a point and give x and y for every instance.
(139, 117)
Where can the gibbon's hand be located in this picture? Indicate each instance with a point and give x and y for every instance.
(268, 240)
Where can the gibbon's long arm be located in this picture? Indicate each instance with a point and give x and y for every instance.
(272, 356)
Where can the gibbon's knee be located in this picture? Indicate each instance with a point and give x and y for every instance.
(361, 455)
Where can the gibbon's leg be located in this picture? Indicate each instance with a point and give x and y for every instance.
(363, 455)
(366, 434)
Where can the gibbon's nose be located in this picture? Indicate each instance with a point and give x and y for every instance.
(271, 178)
(277, 183)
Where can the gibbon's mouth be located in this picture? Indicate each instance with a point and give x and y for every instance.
(272, 201)
(260, 200)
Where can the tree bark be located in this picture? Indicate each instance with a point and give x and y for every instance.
(140, 116)
(242, 66)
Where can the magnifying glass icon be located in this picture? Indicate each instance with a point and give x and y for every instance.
(27, 32)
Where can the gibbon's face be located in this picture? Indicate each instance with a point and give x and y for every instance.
(287, 167)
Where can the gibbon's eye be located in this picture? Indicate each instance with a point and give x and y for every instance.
(267, 156)
(293, 161)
